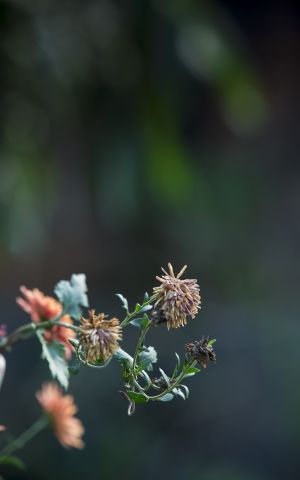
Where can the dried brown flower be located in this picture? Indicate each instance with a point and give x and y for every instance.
(176, 299)
(99, 337)
(202, 351)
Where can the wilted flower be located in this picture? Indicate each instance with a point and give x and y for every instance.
(202, 351)
(41, 307)
(99, 337)
(175, 299)
(61, 410)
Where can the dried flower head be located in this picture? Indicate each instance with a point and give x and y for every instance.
(99, 337)
(41, 307)
(61, 410)
(202, 351)
(176, 299)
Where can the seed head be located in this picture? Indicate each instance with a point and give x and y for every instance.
(201, 351)
(99, 337)
(175, 298)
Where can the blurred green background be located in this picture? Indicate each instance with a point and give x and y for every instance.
(133, 133)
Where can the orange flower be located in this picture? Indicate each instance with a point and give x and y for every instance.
(38, 305)
(41, 307)
(61, 410)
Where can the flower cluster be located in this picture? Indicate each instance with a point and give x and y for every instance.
(62, 329)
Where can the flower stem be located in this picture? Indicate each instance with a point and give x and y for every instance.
(26, 436)
(27, 330)
(174, 384)
(138, 348)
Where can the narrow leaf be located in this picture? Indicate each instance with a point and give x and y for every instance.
(165, 377)
(123, 300)
(137, 397)
(166, 398)
(179, 393)
(187, 392)
(13, 461)
(192, 371)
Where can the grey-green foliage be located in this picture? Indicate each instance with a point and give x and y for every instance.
(147, 357)
(72, 294)
(53, 353)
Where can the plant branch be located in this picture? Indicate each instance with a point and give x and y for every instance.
(27, 330)
(26, 436)
(180, 377)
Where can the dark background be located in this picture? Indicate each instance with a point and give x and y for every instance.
(133, 133)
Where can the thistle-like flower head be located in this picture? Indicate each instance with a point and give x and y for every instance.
(61, 410)
(99, 337)
(202, 351)
(175, 298)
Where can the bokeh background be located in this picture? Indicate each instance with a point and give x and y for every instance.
(133, 133)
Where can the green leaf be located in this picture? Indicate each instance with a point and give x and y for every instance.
(179, 393)
(165, 377)
(187, 392)
(140, 321)
(145, 308)
(137, 397)
(74, 342)
(147, 357)
(166, 398)
(211, 342)
(177, 366)
(123, 300)
(123, 357)
(54, 353)
(146, 297)
(191, 371)
(72, 294)
(137, 322)
(13, 461)
(146, 377)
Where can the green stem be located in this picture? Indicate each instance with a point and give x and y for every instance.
(29, 329)
(174, 384)
(26, 436)
(130, 316)
(66, 325)
(138, 347)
